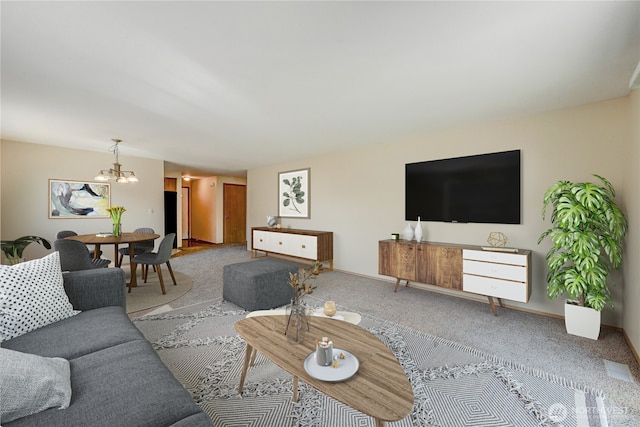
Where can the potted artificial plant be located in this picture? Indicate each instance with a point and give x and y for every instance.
(587, 233)
(13, 248)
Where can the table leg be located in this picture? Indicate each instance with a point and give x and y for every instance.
(380, 423)
(493, 306)
(134, 280)
(295, 389)
(115, 254)
(245, 366)
(96, 251)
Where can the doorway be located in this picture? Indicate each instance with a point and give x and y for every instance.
(186, 213)
(235, 213)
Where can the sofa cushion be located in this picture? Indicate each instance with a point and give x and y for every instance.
(76, 336)
(124, 385)
(32, 296)
(30, 384)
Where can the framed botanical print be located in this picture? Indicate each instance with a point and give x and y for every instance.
(79, 199)
(293, 194)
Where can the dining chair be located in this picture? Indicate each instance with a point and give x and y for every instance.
(138, 248)
(74, 256)
(156, 259)
(67, 233)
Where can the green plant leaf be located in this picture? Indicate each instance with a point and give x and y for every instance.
(590, 196)
(13, 249)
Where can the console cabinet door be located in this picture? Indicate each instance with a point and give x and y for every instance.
(449, 267)
(301, 246)
(397, 259)
(425, 271)
(440, 266)
(404, 258)
(385, 264)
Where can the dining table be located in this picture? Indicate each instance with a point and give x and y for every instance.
(109, 239)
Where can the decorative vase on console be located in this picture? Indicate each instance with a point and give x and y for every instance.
(407, 233)
(418, 232)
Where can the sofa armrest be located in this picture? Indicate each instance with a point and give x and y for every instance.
(101, 287)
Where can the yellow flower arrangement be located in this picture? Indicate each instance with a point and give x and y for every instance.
(116, 213)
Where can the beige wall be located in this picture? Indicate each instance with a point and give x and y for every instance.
(631, 319)
(359, 194)
(26, 169)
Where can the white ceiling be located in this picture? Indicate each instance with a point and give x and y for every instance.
(221, 87)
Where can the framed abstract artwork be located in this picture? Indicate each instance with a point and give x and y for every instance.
(79, 199)
(293, 194)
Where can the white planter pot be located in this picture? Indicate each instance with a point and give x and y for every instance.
(581, 321)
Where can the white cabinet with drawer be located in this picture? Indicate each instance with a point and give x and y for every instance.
(497, 274)
(306, 244)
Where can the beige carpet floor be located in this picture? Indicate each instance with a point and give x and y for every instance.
(149, 295)
(539, 342)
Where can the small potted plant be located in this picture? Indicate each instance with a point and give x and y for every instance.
(13, 249)
(587, 233)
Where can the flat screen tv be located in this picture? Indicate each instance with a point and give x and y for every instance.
(483, 188)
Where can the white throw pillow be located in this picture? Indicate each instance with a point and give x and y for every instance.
(30, 384)
(32, 296)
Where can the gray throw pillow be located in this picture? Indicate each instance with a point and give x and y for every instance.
(30, 384)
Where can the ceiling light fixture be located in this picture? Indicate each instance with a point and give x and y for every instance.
(116, 173)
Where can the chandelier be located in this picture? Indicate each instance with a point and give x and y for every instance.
(115, 172)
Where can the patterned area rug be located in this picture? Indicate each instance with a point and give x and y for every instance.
(453, 385)
(149, 295)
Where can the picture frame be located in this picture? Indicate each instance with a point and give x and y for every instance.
(294, 198)
(78, 199)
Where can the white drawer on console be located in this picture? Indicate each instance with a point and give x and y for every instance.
(303, 246)
(262, 239)
(496, 257)
(514, 291)
(517, 273)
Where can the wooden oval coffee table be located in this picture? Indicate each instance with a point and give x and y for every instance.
(380, 388)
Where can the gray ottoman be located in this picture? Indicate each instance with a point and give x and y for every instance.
(258, 285)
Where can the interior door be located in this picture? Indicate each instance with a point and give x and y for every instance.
(235, 213)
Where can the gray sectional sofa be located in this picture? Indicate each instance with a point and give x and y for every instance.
(117, 379)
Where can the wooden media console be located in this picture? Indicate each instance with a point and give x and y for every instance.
(492, 272)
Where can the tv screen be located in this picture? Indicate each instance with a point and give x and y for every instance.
(483, 188)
